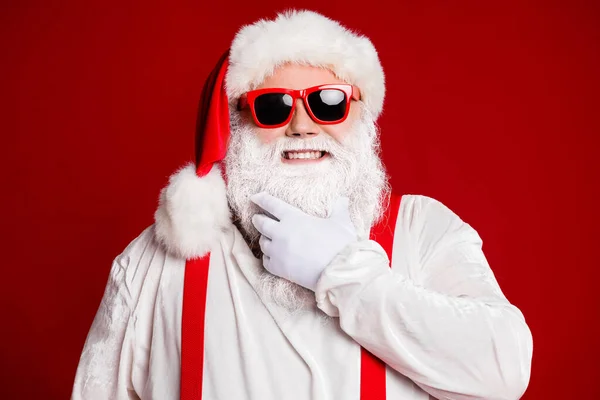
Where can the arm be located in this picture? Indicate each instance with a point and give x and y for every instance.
(106, 363)
(448, 327)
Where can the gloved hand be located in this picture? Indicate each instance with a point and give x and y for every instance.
(298, 246)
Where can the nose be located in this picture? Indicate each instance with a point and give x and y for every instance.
(301, 125)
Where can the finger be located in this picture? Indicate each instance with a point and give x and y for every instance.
(277, 207)
(266, 262)
(265, 245)
(265, 225)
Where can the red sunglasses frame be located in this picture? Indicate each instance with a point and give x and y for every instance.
(247, 100)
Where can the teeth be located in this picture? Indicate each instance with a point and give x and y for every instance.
(302, 155)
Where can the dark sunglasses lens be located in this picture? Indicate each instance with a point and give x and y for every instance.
(273, 108)
(328, 104)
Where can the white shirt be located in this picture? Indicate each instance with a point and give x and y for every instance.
(437, 318)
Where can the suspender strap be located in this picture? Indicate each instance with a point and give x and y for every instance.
(372, 377)
(195, 283)
(372, 371)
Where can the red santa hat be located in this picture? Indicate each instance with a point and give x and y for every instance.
(193, 208)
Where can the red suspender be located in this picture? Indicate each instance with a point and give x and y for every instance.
(192, 327)
(372, 377)
(372, 371)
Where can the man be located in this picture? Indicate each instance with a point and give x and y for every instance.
(267, 274)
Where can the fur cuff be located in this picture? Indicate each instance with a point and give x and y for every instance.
(192, 212)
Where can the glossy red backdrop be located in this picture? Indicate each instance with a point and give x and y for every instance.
(492, 108)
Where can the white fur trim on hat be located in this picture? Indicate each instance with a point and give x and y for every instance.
(309, 38)
(192, 212)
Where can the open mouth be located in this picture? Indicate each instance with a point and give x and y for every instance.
(304, 154)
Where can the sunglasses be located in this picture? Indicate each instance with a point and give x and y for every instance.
(274, 107)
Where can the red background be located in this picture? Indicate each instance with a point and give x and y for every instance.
(492, 108)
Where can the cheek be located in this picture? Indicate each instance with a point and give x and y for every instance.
(267, 136)
(340, 131)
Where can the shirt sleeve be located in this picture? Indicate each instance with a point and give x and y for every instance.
(106, 363)
(447, 326)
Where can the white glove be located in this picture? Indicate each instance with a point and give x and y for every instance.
(298, 246)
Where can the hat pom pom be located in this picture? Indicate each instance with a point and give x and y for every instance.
(192, 212)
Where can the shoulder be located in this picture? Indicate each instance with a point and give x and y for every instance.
(432, 221)
(419, 208)
(140, 265)
(145, 241)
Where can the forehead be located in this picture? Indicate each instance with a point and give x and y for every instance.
(294, 76)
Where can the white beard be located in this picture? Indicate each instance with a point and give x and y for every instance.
(353, 169)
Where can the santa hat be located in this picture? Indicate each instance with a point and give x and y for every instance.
(193, 208)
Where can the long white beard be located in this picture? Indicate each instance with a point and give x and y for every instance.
(353, 169)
